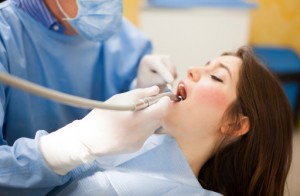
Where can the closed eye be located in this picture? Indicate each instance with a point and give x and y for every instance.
(216, 78)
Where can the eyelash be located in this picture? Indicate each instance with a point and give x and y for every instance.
(216, 78)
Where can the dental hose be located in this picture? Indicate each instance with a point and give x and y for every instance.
(80, 101)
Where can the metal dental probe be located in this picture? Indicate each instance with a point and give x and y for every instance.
(147, 101)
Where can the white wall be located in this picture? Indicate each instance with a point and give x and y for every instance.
(192, 36)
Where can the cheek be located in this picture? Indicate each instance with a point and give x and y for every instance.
(211, 97)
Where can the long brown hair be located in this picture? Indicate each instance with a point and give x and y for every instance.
(259, 161)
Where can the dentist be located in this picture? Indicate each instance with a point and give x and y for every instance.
(83, 48)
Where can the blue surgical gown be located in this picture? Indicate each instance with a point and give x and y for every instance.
(159, 168)
(69, 64)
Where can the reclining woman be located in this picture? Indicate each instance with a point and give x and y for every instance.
(232, 134)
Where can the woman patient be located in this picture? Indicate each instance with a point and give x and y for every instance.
(232, 134)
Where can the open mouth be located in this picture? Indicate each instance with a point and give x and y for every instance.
(181, 92)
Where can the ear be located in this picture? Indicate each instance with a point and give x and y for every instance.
(236, 130)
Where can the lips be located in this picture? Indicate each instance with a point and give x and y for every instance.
(181, 90)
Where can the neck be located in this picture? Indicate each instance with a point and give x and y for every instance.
(70, 8)
(196, 151)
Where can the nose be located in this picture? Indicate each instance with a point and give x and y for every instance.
(194, 73)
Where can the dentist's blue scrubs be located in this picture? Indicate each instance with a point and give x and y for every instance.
(159, 168)
(33, 47)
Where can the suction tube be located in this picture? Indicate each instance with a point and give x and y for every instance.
(78, 101)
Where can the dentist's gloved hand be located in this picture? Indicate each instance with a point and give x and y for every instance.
(103, 132)
(156, 70)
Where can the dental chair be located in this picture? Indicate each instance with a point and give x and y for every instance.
(285, 64)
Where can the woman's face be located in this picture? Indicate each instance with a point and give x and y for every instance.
(208, 91)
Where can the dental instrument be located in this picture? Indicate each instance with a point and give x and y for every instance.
(147, 101)
(80, 101)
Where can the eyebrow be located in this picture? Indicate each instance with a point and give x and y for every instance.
(222, 66)
(226, 68)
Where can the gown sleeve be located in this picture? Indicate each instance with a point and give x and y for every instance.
(21, 165)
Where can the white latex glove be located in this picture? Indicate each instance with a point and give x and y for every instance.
(156, 70)
(103, 132)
